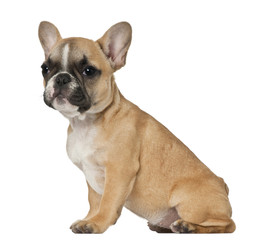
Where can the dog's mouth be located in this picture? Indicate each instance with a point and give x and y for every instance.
(67, 99)
(57, 98)
(60, 99)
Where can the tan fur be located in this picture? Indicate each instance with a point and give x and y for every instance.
(147, 169)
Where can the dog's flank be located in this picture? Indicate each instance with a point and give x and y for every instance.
(129, 159)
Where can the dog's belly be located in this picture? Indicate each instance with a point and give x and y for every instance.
(162, 217)
(84, 154)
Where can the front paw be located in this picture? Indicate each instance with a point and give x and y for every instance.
(84, 226)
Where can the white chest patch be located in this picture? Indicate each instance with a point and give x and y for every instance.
(83, 152)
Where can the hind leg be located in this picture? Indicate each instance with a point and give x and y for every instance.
(210, 226)
(203, 207)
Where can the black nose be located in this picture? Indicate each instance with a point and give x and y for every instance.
(62, 79)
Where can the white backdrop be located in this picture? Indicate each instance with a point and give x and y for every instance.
(190, 65)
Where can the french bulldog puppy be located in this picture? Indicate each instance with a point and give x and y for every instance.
(128, 158)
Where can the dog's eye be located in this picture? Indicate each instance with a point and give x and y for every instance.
(45, 69)
(89, 71)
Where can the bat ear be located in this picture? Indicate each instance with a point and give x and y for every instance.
(49, 36)
(115, 44)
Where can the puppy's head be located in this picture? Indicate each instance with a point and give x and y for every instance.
(78, 72)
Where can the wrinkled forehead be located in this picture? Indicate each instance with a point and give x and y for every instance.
(73, 50)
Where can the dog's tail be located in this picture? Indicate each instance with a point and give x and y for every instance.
(226, 188)
(225, 185)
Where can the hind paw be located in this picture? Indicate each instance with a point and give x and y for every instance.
(180, 226)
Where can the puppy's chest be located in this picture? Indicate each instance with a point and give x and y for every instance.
(86, 154)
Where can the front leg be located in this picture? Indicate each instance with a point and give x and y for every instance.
(119, 180)
(94, 201)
